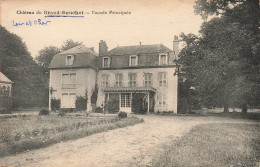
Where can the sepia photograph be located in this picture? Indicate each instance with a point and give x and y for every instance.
(129, 83)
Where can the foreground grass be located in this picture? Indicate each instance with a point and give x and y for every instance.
(20, 134)
(213, 145)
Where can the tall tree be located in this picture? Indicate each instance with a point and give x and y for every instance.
(69, 44)
(46, 54)
(224, 62)
(18, 65)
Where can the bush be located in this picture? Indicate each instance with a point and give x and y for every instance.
(44, 111)
(98, 110)
(55, 104)
(5, 100)
(122, 114)
(81, 103)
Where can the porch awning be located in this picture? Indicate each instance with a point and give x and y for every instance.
(129, 89)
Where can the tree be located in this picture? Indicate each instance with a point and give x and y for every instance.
(69, 44)
(46, 54)
(18, 65)
(223, 63)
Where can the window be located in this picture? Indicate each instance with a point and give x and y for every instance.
(148, 77)
(125, 100)
(132, 79)
(162, 77)
(106, 62)
(118, 80)
(68, 100)
(162, 100)
(69, 80)
(69, 60)
(162, 59)
(133, 61)
(105, 80)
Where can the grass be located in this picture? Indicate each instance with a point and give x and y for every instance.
(25, 133)
(226, 144)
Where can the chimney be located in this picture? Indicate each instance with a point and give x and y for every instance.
(176, 46)
(102, 47)
(140, 43)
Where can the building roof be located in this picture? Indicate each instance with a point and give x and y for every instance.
(84, 57)
(139, 49)
(4, 79)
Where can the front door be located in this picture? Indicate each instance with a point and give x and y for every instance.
(125, 102)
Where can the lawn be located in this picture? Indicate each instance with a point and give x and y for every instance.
(214, 144)
(25, 132)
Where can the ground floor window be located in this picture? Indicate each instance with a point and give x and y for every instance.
(68, 100)
(125, 100)
(161, 97)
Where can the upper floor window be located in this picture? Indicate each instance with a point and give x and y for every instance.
(148, 79)
(132, 79)
(133, 60)
(106, 62)
(105, 80)
(162, 77)
(162, 59)
(69, 80)
(118, 80)
(69, 60)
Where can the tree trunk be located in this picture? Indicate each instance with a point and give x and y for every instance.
(244, 109)
(226, 110)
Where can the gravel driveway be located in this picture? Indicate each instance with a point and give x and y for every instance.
(121, 147)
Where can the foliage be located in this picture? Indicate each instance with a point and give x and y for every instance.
(94, 95)
(18, 65)
(98, 110)
(222, 64)
(32, 132)
(55, 104)
(69, 44)
(122, 114)
(112, 106)
(44, 111)
(46, 54)
(5, 100)
(139, 103)
(81, 103)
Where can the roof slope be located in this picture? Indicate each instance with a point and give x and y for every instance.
(4, 79)
(138, 49)
(84, 57)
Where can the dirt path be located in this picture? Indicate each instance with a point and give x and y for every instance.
(121, 147)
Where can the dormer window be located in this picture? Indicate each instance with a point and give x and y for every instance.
(69, 60)
(106, 62)
(163, 59)
(133, 60)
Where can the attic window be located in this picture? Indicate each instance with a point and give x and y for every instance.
(106, 62)
(69, 60)
(133, 60)
(162, 59)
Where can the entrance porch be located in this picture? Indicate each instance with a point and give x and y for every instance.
(131, 99)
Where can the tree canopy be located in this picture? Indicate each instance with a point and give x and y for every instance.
(222, 63)
(18, 65)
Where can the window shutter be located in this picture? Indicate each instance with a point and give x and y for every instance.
(109, 61)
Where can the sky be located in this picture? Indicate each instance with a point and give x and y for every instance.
(150, 22)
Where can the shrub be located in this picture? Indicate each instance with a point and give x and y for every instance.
(98, 110)
(55, 104)
(122, 114)
(139, 103)
(94, 95)
(5, 100)
(44, 111)
(81, 103)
